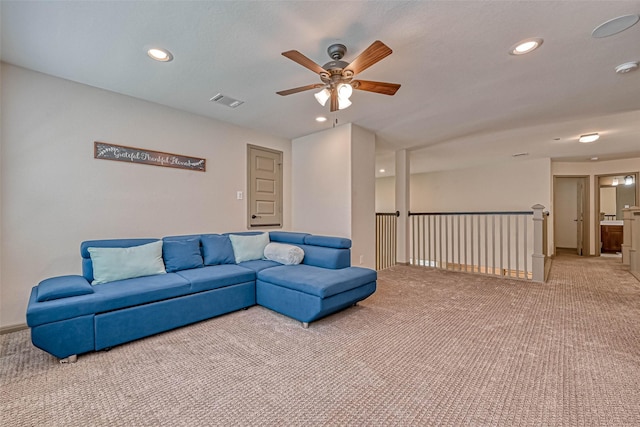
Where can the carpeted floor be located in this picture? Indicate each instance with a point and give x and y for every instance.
(428, 348)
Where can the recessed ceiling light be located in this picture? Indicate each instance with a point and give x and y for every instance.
(594, 159)
(321, 119)
(525, 46)
(161, 55)
(382, 171)
(589, 137)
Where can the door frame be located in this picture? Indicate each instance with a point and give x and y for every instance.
(596, 198)
(586, 241)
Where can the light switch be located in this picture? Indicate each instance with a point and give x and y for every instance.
(239, 195)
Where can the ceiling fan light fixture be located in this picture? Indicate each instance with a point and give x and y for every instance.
(323, 96)
(343, 103)
(344, 90)
(591, 137)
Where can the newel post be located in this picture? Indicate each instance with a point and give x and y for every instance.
(538, 257)
(627, 232)
(634, 234)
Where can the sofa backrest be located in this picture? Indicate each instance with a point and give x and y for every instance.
(319, 251)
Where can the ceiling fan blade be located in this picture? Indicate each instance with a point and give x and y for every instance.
(377, 87)
(334, 101)
(374, 53)
(299, 89)
(296, 56)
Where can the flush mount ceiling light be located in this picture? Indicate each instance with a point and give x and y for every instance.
(614, 26)
(161, 55)
(525, 46)
(591, 137)
(628, 180)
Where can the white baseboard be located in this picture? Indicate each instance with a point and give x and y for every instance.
(12, 328)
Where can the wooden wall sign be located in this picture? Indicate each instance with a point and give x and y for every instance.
(120, 153)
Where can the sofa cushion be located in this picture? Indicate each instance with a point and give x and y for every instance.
(139, 290)
(63, 287)
(319, 256)
(111, 264)
(87, 265)
(321, 282)
(181, 254)
(217, 249)
(249, 247)
(216, 276)
(283, 253)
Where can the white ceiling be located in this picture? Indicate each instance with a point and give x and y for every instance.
(464, 100)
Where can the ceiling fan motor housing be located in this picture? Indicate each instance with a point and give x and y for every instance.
(336, 51)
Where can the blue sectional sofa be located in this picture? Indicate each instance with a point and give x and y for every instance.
(193, 278)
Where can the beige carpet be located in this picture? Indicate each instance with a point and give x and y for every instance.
(429, 348)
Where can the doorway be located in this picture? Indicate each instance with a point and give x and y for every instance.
(571, 214)
(614, 193)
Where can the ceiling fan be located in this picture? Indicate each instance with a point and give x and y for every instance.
(337, 76)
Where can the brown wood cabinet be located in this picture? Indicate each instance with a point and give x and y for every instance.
(611, 238)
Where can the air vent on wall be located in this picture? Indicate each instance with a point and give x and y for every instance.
(226, 100)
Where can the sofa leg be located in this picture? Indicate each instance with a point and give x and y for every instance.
(305, 325)
(71, 359)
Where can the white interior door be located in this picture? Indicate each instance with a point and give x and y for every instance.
(265, 187)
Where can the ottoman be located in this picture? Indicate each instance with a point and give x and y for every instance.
(307, 293)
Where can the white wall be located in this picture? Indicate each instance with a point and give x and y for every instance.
(321, 182)
(592, 169)
(54, 194)
(333, 187)
(386, 194)
(363, 218)
(512, 186)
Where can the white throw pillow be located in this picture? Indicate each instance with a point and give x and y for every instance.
(283, 253)
(247, 247)
(111, 264)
